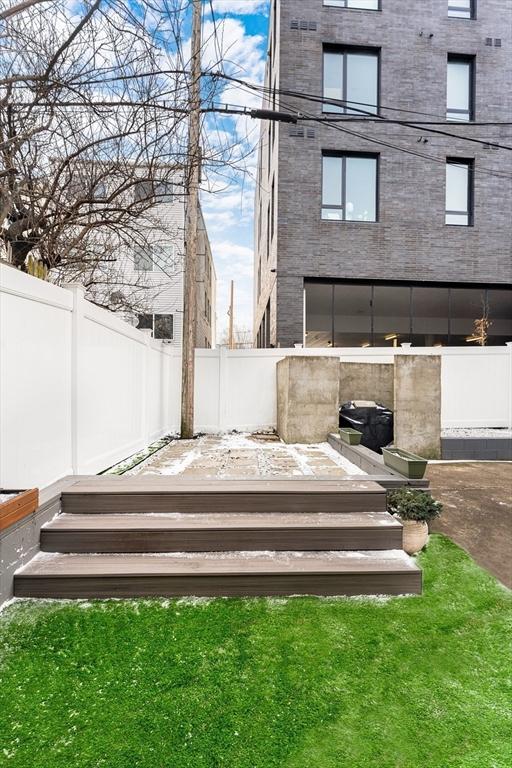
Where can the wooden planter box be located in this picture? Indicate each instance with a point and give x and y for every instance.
(407, 464)
(16, 504)
(350, 436)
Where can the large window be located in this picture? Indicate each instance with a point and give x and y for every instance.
(319, 314)
(391, 315)
(461, 9)
(352, 315)
(349, 187)
(364, 315)
(363, 5)
(351, 75)
(459, 192)
(160, 325)
(467, 307)
(459, 88)
(430, 316)
(499, 312)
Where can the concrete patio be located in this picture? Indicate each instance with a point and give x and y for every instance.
(245, 456)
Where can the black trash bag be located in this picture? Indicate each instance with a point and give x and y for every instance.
(374, 421)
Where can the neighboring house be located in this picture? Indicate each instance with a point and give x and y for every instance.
(372, 233)
(159, 268)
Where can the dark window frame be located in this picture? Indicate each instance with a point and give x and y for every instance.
(370, 155)
(465, 59)
(470, 163)
(344, 50)
(472, 11)
(152, 327)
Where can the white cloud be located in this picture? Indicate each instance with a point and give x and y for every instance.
(233, 261)
(242, 7)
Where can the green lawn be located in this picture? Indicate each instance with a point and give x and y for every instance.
(413, 682)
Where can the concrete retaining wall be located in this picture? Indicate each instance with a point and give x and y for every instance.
(367, 381)
(417, 404)
(307, 398)
(373, 464)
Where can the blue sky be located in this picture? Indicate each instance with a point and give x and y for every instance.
(242, 27)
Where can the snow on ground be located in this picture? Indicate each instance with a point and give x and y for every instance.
(245, 455)
(481, 433)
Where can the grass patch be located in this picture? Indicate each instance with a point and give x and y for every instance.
(414, 682)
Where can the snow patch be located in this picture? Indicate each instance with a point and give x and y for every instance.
(487, 432)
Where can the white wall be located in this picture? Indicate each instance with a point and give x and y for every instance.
(236, 389)
(79, 388)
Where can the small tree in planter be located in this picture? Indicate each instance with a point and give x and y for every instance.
(415, 509)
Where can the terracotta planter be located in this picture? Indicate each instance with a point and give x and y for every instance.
(415, 535)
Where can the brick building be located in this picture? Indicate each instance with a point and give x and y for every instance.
(369, 231)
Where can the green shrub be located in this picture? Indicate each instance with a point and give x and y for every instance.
(413, 504)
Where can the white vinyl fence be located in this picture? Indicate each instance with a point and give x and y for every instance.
(80, 389)
(237, 389)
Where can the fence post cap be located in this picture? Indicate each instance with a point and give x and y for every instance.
(75, 287)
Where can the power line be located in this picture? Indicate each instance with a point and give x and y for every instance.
(334, 102)
(389, 145)
(370, 116)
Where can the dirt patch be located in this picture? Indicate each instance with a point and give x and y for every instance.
(477, 498)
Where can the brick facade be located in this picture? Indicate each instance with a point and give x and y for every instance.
(410, 241)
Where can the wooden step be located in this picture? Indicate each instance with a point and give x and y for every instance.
(221, 532)
(221, 574)
(142, 494)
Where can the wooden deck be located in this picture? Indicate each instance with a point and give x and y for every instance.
(168, 536)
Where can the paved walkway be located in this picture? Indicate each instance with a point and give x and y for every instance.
(243, 455)
(477, 498)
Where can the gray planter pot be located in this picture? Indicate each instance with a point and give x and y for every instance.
(407, 464)
(350, 436)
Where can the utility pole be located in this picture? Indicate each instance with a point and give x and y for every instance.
(191, 220)
(230, 338)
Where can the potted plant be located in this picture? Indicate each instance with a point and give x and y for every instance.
(350, 436)
(415, 509)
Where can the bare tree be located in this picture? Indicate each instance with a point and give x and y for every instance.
(92, 139)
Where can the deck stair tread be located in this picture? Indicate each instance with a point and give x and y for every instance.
(47, 565)
(169, 521)
(169, 494)
(171, 484)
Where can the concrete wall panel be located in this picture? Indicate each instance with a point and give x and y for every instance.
(307, 398)
(367, 381)
(418, 404)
